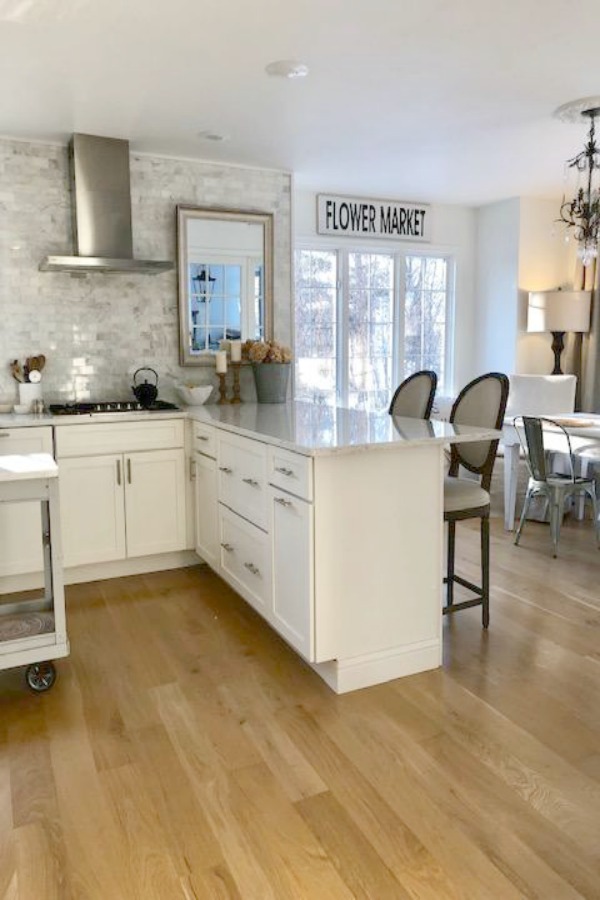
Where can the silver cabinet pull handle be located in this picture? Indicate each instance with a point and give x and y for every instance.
(251, 481)
(192, 468)
(227, 547)
(225, 469)
(201, 437)
(4, 434)
(129, 471)
(252, 568)
(282, 501)
(284, 471)
(119, 472)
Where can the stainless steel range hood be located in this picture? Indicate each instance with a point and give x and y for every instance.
(101, 196)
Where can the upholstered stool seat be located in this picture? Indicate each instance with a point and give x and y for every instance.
(461, 493)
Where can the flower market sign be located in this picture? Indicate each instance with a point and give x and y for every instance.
(360, 217)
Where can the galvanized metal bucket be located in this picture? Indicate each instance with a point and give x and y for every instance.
(271, 381)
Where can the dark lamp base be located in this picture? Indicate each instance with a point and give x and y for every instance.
(558, 345)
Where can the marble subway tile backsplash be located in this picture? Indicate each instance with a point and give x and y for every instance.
(96, 330)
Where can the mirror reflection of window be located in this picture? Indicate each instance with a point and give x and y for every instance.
(216, 292)
(226, 278)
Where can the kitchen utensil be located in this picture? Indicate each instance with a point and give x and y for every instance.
(145, 393)
(35, 363)
(15, 368)
(35, 376)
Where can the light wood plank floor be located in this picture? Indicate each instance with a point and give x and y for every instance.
(185, 752)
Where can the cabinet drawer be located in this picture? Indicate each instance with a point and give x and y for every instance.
(26, 440)
(246, 559)
(292, 472)
(242, 465)
(120, 437)
(205, 439)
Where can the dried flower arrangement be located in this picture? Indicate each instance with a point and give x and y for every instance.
(266, 352)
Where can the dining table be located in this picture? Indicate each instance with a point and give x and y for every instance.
(584, 434)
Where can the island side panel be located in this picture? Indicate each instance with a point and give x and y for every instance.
(379, 552)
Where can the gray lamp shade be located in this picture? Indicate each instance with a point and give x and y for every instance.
(559, 311)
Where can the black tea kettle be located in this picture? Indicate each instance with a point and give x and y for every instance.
(145, 393)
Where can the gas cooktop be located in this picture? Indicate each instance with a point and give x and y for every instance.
(109, 406)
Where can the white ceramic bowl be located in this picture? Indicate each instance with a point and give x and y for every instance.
(194, 395)
(22, 408)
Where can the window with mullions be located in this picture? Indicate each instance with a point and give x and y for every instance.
(366, 320)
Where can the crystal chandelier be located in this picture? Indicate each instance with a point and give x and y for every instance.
(582, 213)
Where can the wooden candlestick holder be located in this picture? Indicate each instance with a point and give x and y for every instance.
(222, 388)
(236, 383)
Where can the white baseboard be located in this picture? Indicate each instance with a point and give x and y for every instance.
(376, 668)
(141, 565)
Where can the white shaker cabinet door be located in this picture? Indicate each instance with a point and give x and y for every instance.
(207, 511)
(92, 509)
(155, 501)
(293, 571)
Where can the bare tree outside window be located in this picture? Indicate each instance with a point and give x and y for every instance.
(426, 295)
(316, 325)
(348, 344)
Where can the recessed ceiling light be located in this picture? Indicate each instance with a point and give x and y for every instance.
(287, 68)
(208, 135)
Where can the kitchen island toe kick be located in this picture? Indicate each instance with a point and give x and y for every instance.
(330, 524)
(345, 675)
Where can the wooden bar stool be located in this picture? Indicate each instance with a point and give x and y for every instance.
(482, 402)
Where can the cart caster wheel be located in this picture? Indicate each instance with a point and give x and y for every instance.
(40, 677)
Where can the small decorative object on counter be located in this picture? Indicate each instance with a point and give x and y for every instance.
(236, 366)
(145, 392)
(221, 366)
(29, 377)
(271, 362)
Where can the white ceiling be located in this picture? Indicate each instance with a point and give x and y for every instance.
(432, 100)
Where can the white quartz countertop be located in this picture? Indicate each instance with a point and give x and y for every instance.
(29, 420)
(317, 430)
(303, 427)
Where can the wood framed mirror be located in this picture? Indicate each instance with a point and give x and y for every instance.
(225, 275)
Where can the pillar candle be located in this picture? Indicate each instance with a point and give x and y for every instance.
(221, 361)
(236, 351)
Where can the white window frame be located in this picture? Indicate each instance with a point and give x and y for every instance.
(399, 255)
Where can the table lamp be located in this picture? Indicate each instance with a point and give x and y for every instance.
(558, 312)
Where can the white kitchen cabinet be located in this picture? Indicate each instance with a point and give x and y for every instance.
(155, 501)
(292, 608)
(92, 509)
(121, 502)
(20, 523)
(242, 468)
(207, 515)
(246, 559)
(122, 505)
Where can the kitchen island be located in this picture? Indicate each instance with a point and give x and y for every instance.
(329, 522)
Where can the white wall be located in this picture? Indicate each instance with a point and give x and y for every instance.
(453, 231)
(520, 249)
(497, 273)
(545, 263)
